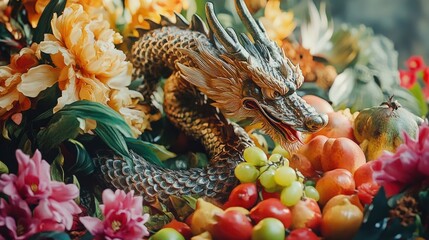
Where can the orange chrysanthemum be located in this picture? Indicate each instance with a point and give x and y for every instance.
(21, 79)
(91, 68)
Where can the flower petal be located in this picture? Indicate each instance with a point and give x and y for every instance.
(37, 79)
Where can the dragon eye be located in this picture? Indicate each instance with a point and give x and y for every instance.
(271, 94)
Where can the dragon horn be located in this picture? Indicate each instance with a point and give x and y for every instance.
(249, 22)
(255, 28)
(228, 39)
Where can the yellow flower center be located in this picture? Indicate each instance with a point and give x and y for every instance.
(20, 229)
(116, 225)
(413, 64)
(34, 187)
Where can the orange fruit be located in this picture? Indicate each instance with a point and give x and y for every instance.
(335, 182)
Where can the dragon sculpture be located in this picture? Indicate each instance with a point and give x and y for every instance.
(212, 76)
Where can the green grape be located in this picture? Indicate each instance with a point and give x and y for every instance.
(246, 172)
(311, 192)
(280, 150)
(255, 156)
(267, 179)
(284, 176)
(266, 167)
(310, 183)
(275, 157)
(301, 177)
(292, 194)
(285, 162)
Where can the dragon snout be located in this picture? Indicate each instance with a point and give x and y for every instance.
(316, 122)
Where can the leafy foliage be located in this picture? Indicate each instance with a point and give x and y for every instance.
(372, 74)
(44, 24)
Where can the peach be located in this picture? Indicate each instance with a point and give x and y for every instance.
(339, 125)
(320, 104)
(313, 150)
(301, 162)
(342, 153)
(335, 182)
(364, 174)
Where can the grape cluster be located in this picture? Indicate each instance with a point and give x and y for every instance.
(275, 175)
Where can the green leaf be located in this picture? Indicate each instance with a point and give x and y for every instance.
(151, 152)
(98, 112)
(57, 172)
(83, 164)
(60, 128)
(417, 92)
(50, 235)
(376, 216)
(112, 137)
(44, 24)
(3, 168)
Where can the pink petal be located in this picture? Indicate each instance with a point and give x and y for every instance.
(93, 225)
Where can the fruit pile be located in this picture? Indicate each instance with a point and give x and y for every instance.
(318, 191)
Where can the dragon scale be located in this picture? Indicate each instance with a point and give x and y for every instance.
(211, 76)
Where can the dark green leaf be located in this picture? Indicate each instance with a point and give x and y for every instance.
(44, 24)
(397, 231)
(198, 160)
(60, 128)
(376, 216)
(112, 137)
(57, 172)
(416, 90)
(83, 164)
(98, 112)
(50, 235)
(145, 150)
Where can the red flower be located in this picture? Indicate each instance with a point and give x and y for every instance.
(408, 78)
(415, 63)
(409, 165)
(426, 75)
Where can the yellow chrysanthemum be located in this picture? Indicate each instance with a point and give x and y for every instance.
(279, 24)
(21, 79)
(94, 8)
(91, 68)
(140, 10)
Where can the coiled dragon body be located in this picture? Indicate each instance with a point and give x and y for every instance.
(212, 76)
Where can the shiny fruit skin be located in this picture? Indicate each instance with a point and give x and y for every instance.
(319, 104)
(232, 225)
(244, 195)
(337, 200)
(342, 221)
(335, 182)
(306, 214)
(181, 227)
(381, 128)
(268, 195)
(167, 233)
(313, 150)
(301, 163)
(292, 194)
(255, 156)
(342, 153)
(301, 234)
(246, 172)
(339, 125)
(271, 207)
(268, 229)
(364, 174)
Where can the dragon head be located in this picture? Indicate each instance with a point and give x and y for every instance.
(246, 79)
